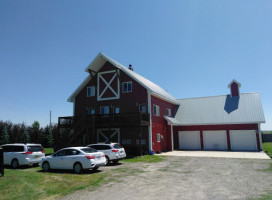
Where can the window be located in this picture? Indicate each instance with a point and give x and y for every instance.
(104, 110)
(168, 112)
(127, 87)
(91, 91)
(91, 111)
(156, 110)
(116, 110)
(143, 108)
(158, 137)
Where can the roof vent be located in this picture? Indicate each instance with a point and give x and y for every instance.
(130, 67)
(234, 88)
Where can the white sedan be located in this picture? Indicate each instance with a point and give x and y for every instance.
(74, 158)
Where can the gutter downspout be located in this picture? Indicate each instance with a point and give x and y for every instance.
(150, 121)
(260, 137)
(172, 139)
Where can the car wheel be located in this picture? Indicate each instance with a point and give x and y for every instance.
(115, 161)
(14, 164)
(107, 160)
(96, 168)
(77, 168)
(46, 167)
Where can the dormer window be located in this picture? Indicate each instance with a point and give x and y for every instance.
(234, 88)
(168, 112)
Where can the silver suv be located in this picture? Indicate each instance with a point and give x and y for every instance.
(113, 151)
(22, 154)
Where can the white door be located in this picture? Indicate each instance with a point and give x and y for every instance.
(189, 140)
(243, 140)
(215, 140)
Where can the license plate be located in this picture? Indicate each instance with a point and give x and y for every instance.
(37, 156)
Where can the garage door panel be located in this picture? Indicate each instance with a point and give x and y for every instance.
(215, 140)
(189, 140)
(243, 140)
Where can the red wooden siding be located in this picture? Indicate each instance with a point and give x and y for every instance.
(128, 102)
(159, 125)
(226, 127)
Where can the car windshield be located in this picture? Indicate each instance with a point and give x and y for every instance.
(34, 148)
(117, 146)
(88, 150)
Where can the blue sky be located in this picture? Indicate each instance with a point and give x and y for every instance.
(191, 48)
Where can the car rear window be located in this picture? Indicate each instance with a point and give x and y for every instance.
(13, 148)
(117, 146)
(34, 148)
(88, 150)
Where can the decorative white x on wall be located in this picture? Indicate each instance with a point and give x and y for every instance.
(108, 139)
(116, 94)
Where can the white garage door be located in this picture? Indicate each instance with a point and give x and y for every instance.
(243, 140)
(215, 140)
(189, 140)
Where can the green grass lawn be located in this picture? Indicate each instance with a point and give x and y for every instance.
(49, 151)
(267, 146)
(31, 183)
(146, 158)
(266, 132)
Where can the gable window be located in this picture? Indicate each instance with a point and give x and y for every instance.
(168, 112)
(127, 87)
(104, 110)
(91, 111)
(91, 91)
(143, 108)
(156, 110)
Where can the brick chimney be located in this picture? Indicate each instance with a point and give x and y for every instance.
(130, 67)
(234, 88)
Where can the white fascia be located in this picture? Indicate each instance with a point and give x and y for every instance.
(150, 120)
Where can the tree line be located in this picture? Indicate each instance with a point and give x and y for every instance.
(21, 133)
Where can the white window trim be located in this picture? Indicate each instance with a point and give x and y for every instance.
(168, 114)
(158, 137)
(123, 86)
(157, 110)
(91, 91)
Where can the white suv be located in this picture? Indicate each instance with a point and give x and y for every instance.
(113, 151)
(22, 154)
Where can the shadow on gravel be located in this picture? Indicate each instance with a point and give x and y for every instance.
(62, 171)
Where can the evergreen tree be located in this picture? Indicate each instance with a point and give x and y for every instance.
(26, 137)
(4, 137)
(50, 139)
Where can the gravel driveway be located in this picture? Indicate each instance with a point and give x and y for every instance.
(184, 178)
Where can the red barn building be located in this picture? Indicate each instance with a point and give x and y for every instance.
(116, 104)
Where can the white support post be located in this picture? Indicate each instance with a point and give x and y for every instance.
(150, 121)
(172, 139)
(260, 137)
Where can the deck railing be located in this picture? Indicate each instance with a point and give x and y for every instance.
(122, 119)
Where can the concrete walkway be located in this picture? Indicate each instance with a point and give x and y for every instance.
(218, 154)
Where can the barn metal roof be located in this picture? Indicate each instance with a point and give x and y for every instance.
(101, 59)
(246, 108)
